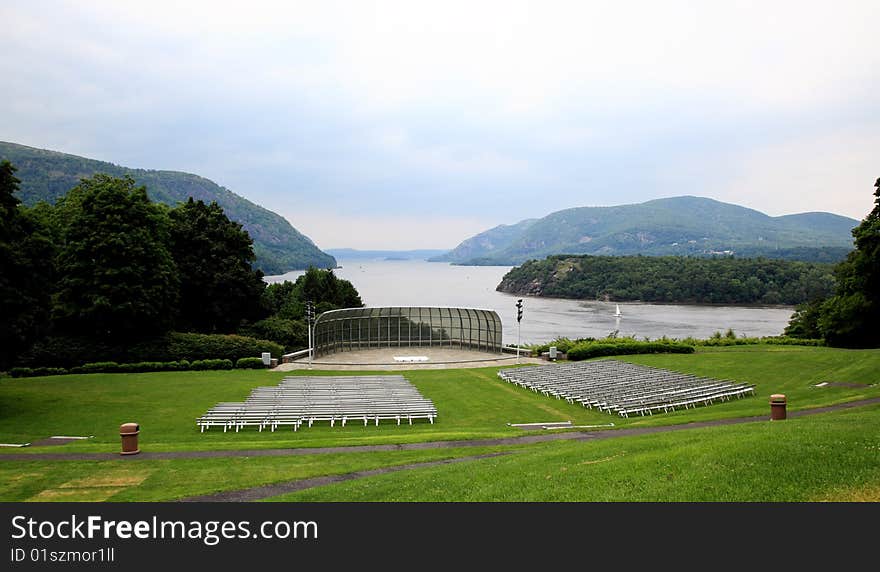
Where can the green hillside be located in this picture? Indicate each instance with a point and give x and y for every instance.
(684, 226)
(672, 279)
(48, 175)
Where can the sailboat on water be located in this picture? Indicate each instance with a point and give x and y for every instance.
(617, 313)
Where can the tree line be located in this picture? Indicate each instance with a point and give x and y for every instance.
(107, 264)
(674, 279)
(851, 316)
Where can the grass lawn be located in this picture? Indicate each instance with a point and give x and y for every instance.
(164, 480)
(472, 403)
(830, 454)
(833, 457)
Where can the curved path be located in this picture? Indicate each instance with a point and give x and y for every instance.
(272, 490)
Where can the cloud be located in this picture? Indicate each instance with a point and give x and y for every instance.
(809, 174)
(461, 111)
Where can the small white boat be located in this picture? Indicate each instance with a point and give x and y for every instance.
(617, 311)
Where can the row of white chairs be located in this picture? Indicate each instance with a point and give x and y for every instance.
(624, 388)
(303, 400)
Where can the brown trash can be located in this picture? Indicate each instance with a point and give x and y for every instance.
(129, 433)
(777, 407)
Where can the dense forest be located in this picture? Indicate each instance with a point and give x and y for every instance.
(107, 274)
(723, 280)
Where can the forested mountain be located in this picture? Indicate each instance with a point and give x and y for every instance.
(490, 244)
(48, 175)
(677, 279)
(686, 226)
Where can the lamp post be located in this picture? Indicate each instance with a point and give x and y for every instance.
(519, 307)
(310, 313)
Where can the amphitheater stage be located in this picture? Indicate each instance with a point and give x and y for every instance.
(384, 359)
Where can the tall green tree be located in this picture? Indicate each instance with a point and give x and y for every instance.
(26, 257)
(117, 280)
(285, 304)
(326, 290)
(218, 286)
(852, 317)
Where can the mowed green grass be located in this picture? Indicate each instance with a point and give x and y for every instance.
(472, 403)
(827, 457)
(172, 479)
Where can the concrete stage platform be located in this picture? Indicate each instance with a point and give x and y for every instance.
(383, 359)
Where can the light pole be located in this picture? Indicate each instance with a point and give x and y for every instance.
(519, 307)
(310, 313)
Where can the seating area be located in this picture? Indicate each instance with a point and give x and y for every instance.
(302, 400)
(624, 388)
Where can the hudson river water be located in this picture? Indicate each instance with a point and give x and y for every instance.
(420, 283)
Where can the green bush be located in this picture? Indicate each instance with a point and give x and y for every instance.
(215, 346)
(718, 341)
(43, 371)
(250, 363)
(292, 334)
(561, 344)
(99, 367)
(589, 350)
(69, 352)
(206, 364)
(21, 372)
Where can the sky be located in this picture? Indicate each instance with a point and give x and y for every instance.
(402, 125)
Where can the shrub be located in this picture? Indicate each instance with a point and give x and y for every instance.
(69, 352)
(43, 371)
(99, 367)
(292, 334)
(588, 350)
(214, 346)
(561, 344)
(21, 372)
(249, 363)
(206, 364)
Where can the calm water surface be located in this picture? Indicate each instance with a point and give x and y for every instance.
(420, 283)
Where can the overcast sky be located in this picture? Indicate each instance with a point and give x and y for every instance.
(417, 124)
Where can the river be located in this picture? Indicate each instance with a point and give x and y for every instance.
(421, 283)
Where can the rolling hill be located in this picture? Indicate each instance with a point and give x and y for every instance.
(686, 226)
(47, 175)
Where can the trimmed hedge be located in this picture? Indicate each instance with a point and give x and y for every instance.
(140, 367)
(769, 340)
(590, 350)
(36, 371)
(67, 352)
(250, 363)
(204, 364)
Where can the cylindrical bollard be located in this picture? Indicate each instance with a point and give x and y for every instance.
(777, 407)
(129, 433)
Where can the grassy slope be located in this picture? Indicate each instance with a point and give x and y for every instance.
(471, 403)
(825, 457)
(828, 456)
(163, 480)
